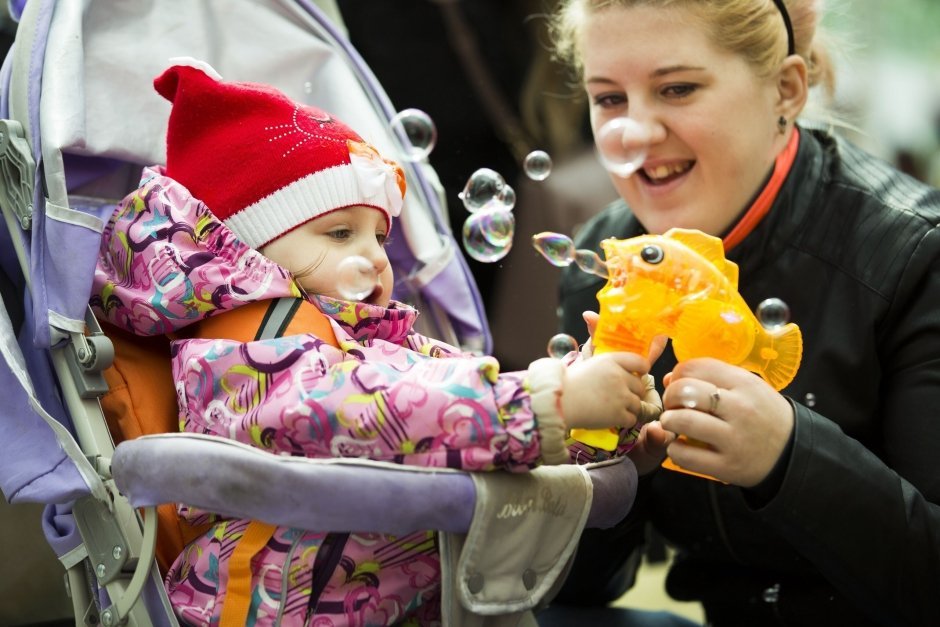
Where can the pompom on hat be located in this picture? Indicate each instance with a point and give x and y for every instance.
(262, 163)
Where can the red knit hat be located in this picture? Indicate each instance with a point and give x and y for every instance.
(263, 163)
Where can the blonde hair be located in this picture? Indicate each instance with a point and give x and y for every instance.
(753, 29)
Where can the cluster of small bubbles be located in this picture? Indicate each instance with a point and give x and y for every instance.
(561, 344)
(488, 233)
(356, 278)
(622, 144)
(418, 132)
(809, 400)
(487, 189)
(537, 165)
(590, 262)
(308, 88)
(773, 313)
(557, 249)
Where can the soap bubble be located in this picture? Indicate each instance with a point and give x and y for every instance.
(417, 127)
(558, 249)
(356, 278)
(486, 189)
(622, 144)
(488, 233)
(561, 344)
(537, 165)
(590, 262)
(505, 199)
(809, 400)
(773, 313)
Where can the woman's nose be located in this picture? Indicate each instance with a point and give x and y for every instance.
(651, 126)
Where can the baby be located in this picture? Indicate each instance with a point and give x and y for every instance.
(261, 200)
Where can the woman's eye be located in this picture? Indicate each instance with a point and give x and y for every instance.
(609, 100)
(679, 91)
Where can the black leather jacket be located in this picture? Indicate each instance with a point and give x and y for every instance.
(850, 533)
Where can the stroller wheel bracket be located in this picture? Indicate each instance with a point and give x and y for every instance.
(119, 568)
(103, 537)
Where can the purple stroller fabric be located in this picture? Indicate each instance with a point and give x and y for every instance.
(62, 256)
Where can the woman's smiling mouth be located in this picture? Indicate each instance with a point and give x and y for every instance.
(664, 173)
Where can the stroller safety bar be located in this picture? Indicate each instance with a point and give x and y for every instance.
(223, 476)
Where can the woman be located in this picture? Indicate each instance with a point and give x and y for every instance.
(828, 512)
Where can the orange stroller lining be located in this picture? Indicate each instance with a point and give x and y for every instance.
(141, 397)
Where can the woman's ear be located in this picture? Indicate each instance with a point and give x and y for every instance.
(792, 87)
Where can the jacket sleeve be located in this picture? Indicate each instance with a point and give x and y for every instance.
(868, 517)
(295, 395)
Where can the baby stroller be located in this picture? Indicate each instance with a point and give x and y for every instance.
(78, 119)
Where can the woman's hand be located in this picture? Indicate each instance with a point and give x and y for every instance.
(745, 423)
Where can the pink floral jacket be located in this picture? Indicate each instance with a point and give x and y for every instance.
(388, 393)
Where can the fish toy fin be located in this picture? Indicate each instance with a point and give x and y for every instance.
(710, 328)
(709, 247)
(777, 355)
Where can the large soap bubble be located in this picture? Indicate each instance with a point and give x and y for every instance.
(488, 233)
(487, 189)
(356, 278)
(622, 144)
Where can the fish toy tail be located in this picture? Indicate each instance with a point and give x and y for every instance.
(777, 355)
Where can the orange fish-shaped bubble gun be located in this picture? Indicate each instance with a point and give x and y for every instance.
(680, 285)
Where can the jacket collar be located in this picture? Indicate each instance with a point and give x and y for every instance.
(366, 323)
(792, 207)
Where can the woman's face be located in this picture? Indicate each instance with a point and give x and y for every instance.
(711, 119)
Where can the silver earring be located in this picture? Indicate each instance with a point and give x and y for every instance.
(782, 124)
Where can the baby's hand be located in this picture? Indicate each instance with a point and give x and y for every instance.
(604, 391)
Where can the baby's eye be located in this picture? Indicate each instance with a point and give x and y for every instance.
(381, 238)
(340, 234)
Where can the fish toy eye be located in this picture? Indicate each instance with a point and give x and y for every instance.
(652, 254)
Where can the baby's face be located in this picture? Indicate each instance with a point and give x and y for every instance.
(313, 251)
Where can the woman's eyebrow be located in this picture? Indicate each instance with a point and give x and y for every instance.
(670, 69)
(599, 79)
(663, 71)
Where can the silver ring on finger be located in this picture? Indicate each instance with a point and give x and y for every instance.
(714, 400)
